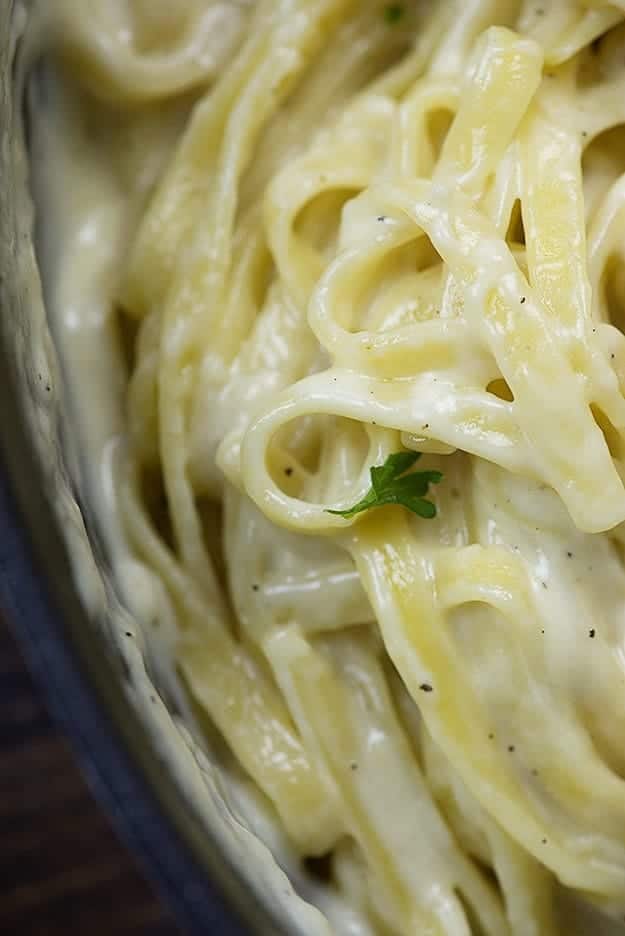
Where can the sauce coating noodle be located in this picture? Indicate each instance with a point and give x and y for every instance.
(309, 234)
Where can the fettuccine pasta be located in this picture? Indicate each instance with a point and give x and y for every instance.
(340, 231)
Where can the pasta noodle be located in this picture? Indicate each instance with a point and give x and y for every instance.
(353, 229)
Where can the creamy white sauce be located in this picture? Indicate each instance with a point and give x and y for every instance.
(84, 218)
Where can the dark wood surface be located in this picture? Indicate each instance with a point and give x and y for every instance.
(62, 869)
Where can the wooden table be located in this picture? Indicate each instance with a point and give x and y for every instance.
(62, 869)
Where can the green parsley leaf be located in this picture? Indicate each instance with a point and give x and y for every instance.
(391, 485)
(393, 13)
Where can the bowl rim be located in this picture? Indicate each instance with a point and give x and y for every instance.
(36, 601)
(66, 654)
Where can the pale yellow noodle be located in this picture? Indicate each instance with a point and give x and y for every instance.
(387, 227)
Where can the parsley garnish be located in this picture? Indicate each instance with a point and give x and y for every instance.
(391, 485)
(393, 12)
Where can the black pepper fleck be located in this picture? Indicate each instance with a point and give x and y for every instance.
(425, 687)
(522, 299)
(393, 12)
(255, 587)
(128, 634)
(353, 766)
(591, 632)
(511, 748)
(288, 472)
(569, 554)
